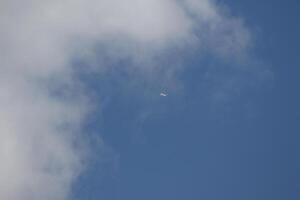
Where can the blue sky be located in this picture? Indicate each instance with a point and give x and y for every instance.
(190, 148)
(82, 117)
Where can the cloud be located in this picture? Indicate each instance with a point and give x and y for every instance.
(42, 104)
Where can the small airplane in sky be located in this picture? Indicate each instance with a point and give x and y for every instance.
(163, 94)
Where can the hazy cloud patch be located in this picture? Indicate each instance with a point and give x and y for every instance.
(42, 102)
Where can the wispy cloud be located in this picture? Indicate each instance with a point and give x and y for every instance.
(41, 103)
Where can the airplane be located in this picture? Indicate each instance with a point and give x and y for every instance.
(163, 94)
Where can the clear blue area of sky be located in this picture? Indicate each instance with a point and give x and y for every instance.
(178, 148)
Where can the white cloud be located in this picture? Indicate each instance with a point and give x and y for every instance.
(38, 40)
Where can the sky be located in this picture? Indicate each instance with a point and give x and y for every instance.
(82, 116)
